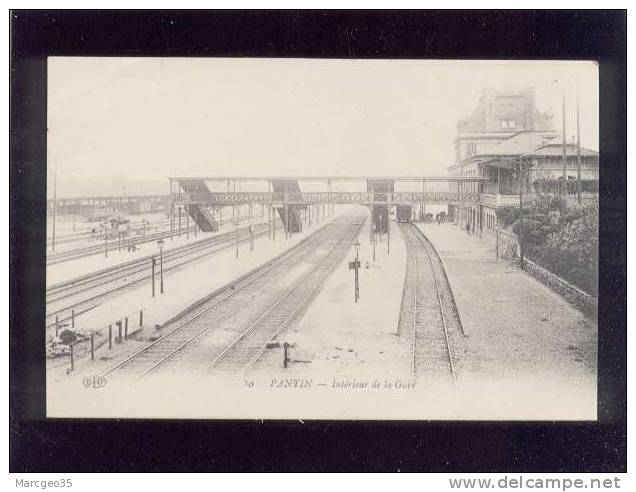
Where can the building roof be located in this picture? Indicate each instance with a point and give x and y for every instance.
(557, 150)
(514, 146)
(502, 136)
(505, 157)
(486, 135)
(511, 148)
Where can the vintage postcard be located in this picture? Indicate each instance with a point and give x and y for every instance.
(322, 239)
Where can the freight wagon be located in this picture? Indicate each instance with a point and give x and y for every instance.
(404, 213)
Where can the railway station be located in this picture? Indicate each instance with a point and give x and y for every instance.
(230, 283)
(433, 281)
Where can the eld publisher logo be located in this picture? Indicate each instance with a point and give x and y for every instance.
(94, 382)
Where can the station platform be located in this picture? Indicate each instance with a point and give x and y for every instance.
(514, 323)
(183, 287)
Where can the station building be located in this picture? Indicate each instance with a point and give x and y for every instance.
(504, 130)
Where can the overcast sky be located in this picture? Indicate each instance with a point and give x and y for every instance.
(132, 122)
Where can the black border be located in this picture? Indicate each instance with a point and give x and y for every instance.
(37, 444)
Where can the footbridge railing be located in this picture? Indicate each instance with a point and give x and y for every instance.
(338, 197)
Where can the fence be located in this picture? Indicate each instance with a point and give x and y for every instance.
(89, 341)
(507, 246)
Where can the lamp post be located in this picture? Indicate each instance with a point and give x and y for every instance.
(160, 244)
(187, 216)
(171, 218)
(374, 233)
(388, 231)
(179, 211)
(154, 263)
(237, 238)
(356, 266)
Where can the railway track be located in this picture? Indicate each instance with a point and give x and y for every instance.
(112, 245)
(86, 292)
(248, 313)
(85, 232)
(428, 317)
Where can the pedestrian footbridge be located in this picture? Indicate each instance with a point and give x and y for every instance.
(285, 195)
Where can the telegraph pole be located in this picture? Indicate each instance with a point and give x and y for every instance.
(269, 210)
(357, 293)
(424, 200)
(160, 244)
(187, 215)
(521, 211)
(286, 210)
(388, 231)
(237, 238)
(154, 262)
(171, 211)
(54, 204)
(578, 151)
(565, 158)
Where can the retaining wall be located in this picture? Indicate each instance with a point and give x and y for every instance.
(575, 296)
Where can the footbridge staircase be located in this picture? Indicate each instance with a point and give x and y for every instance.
(289, 214)
(199, 213)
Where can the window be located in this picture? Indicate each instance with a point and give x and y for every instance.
(508, 124)
(471, 149)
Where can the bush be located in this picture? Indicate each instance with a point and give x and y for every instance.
(508, 215)
(535, 217)
(568, 248)
(557, 203)
(535, 230)
(67, 337)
